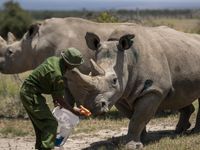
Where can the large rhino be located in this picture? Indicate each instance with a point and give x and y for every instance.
(48, 38)
(140, 71)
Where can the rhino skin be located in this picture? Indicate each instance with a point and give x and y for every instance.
(141, 70)
(49, 38)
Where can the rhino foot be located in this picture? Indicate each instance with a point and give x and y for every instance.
(181, 128)
(126, 143)
(133, 145)
(183, 123)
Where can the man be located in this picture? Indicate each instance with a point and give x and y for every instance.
(48, 79)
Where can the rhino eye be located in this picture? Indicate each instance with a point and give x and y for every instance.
(9, 52)
(114, 82)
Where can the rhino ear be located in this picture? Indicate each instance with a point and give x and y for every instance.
(10, 38)
(92, 40)
(33, 30)
(125, 42)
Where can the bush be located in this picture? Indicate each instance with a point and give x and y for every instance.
(14, 19)
(106, 18)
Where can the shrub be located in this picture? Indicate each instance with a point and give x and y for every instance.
(106, 17)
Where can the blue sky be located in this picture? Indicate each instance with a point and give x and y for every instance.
(105, 4)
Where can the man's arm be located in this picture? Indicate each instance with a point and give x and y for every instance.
(66, 102)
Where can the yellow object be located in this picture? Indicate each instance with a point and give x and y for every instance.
(84, 111)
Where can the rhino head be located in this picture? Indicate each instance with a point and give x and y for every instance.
(108, 79)
(3, 44)
(19, 56)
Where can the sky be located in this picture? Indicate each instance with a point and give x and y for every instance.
(105, 4)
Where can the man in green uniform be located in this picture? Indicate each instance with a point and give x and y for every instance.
(48, 79)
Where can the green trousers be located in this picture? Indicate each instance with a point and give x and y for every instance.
(44, 123)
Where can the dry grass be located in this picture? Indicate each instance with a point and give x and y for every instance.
(15, 127)
(112, 120)
(160, 139)
(190, 142)
(185, 25)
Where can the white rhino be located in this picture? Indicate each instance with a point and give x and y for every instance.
(48, 38)
(140, 71)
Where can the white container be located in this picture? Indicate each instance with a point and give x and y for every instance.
(66, 123)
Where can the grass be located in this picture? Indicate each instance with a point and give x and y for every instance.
(185, 25)
(161, 139)
(179, 143)
(112, 120)
(15, 127)
(10, 103)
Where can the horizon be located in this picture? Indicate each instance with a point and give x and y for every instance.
(105, 4)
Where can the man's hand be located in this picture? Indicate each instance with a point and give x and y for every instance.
(82, 111)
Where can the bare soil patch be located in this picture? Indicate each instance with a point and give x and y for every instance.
(90, 141)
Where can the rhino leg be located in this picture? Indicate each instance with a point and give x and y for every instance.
(145, 108)
(197, 124)
(125, 109)
(183, 123)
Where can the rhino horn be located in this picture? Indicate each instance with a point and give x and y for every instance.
(10, 38)
(80, 78)
(96, 69)
(2, 42)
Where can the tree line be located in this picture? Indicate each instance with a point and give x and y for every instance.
(15, 19)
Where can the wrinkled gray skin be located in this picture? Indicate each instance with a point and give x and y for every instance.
(49, 38)
(156, 70)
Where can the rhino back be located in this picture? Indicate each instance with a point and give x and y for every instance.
(59, 33)
(171, 60)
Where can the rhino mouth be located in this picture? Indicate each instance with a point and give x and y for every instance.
(101, 107)
(99, 111)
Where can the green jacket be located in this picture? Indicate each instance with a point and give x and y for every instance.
(47, 78)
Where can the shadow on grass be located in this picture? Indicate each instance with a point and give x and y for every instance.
(112, 115)
(103, 145)
(152, 136)
(117, 115)
(165, 113)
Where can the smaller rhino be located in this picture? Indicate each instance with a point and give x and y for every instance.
(140, 71)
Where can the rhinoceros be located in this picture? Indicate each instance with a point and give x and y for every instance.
(48, 38)
(140, 71)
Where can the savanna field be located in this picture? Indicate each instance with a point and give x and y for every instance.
(16, 131)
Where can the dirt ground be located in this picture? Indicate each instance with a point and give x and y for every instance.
(86, 141)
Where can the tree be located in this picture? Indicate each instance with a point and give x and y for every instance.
(14, 19)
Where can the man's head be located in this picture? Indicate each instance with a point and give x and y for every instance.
(72, 57)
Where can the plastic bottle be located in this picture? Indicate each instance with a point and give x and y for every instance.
(66, 123)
